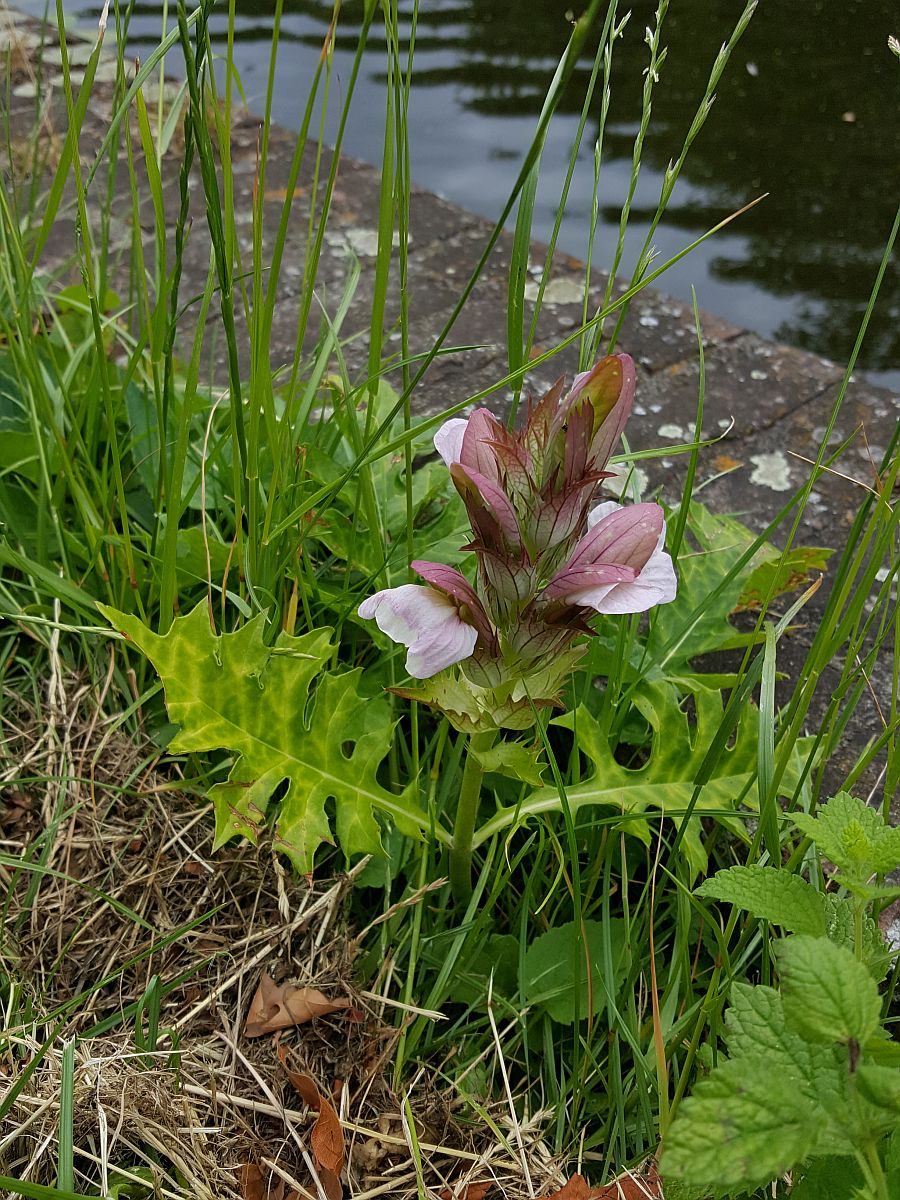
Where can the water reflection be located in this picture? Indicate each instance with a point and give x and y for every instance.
(807, 112)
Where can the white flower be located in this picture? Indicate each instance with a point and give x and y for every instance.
(424, 620)
(448, 440)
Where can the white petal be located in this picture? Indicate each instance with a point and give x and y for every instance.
(425, 621)
(448, 440)
(656, 584)
(602, 510)
(455, 642)
(592, 597)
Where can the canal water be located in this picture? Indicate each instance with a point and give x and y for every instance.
(807, 112)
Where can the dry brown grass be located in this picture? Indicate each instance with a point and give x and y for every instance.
(128, 890)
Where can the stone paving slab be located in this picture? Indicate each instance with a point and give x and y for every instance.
(768, 403)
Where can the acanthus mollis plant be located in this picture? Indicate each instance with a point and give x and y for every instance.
(494, 651)
(546, 560)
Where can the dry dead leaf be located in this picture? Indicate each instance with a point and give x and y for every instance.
(369, 1154)
(257, 1184)
(644, 1186)
(281, 1005)
(472, 1191)
(577, 1188)
(281, 194)
(725, 462)
(327, 1138)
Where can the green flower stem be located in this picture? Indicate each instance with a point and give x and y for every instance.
(466, 815)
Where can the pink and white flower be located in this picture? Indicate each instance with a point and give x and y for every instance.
(440, 624)
(424, 620)
(620, 565)
(544, 560)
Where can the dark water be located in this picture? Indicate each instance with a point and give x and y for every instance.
(807, 111)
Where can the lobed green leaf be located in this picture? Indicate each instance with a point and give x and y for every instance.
(853, 836)
(234, 692)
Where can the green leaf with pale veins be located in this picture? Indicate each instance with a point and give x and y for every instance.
(513, 760)
(770, 894)
(233, 692)
(665, 782)
(853, 836)
(829, 996)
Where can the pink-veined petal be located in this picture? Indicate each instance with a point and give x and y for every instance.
(624, 534)
(629, 539)
(425, 621)
(655, 583)
(608, 388)
(571, 581)
(484, 491)
(477, 452)
(449, 438)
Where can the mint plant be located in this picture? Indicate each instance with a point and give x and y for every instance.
(810, 1086)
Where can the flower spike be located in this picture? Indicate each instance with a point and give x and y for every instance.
(545, 561)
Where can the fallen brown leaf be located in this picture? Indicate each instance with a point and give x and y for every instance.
(644, 1186)
(257, 1184)
(280, 194)
(473, 1191)
(327, 1138)
(725, 462)
(577, 1188)
(281, 1005)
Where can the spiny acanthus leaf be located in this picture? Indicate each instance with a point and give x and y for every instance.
(666, 782)
(233, 692)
